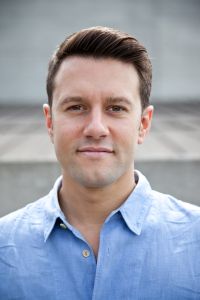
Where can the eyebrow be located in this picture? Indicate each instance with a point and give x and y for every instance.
(117, 100)
(71, 99)
(109, 100)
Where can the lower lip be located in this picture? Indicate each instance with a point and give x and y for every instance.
(95, 155)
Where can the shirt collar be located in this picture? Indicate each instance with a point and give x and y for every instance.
(135, 209)
(52, 209)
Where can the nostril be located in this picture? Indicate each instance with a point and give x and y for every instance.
(96, 129)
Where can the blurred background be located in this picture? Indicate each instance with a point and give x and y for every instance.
(29, 33)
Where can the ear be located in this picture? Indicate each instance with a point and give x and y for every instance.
(145, 123)
(48, 120)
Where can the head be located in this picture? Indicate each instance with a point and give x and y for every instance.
(103, 42)
(98, 89)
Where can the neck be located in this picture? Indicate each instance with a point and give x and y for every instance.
(91, 206)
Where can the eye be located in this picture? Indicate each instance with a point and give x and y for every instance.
(77, 107)
(116, 108)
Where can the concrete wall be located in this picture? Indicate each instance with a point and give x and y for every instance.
(22, 183)
(30, 31)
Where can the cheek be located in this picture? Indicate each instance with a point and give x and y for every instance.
(65, 134)
(127, 138)
(129, 131)
(64, 127)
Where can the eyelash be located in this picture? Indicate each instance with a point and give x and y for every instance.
(76, 107)
(117, 108)
(112, 108)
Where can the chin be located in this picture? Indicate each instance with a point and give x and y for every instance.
(96, 180)
(96, 177)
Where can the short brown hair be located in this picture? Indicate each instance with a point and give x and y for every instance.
(103, 42)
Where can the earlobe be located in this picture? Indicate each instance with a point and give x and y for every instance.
(48, 120)
(145, 123)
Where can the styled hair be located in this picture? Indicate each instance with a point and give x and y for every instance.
(104, 42)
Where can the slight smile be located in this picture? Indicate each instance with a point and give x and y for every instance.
(95, 152)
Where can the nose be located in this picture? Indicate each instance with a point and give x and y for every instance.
(96, 126)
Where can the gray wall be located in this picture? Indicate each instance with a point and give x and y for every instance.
(30, 31)
(22, 183)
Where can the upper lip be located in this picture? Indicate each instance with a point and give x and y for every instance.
(94, 149)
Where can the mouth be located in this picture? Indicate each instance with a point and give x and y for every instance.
(95, 149)
(95, 152)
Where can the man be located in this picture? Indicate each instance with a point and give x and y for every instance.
(102, 232)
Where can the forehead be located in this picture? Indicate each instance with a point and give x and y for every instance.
(87, 74)
(80, 63)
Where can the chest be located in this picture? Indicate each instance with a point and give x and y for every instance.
(128, 267)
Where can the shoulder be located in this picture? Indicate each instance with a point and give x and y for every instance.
(18, 222)
(21, 237)
(174, 215)
(165, 206)
(169, 204)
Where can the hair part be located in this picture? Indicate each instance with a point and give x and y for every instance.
(104, 42)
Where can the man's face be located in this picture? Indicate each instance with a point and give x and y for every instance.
(96, 120)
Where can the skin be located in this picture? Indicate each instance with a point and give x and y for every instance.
(95, 123)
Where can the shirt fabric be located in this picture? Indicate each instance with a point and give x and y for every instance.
(149, 249)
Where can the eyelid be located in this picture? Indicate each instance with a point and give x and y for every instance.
(76, 106)
(120, 107)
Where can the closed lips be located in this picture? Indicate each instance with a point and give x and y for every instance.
(94, 149)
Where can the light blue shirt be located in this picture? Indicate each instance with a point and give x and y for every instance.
(149, 249)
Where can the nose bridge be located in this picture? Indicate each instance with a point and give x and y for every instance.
(96, 115)
(96, 123)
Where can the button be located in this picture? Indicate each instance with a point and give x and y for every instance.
(63, 226)
(86, 253)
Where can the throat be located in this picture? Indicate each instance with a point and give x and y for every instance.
(91, 233)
